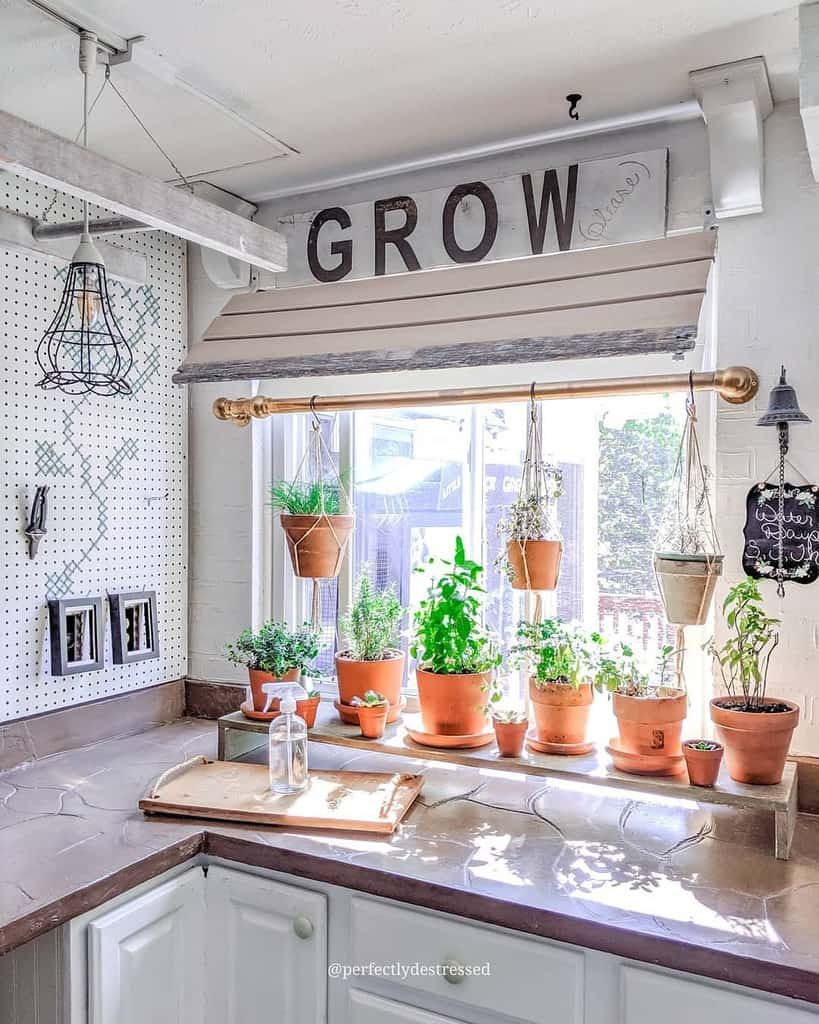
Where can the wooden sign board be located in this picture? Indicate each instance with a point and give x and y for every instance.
(801, 532)
(580, 206)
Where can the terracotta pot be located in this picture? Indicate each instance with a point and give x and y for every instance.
(702, 765)
(452, 705)
(356, 677)
(651, 726)
(317, 544)
(509, 737)
(373, 720)
(687, 586)
(308, 709)
(756, 742)
(257, 680)
(561, 711)
(535, 563)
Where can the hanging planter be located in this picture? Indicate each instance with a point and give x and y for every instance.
(687, 558)
(529, 526)
(315, 512)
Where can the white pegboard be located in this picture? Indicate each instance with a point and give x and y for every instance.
(116, 467)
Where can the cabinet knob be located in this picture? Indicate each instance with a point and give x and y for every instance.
(453, 971)
(302, 926)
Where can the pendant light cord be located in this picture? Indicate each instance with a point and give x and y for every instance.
(85, 218)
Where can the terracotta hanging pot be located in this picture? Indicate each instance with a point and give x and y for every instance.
(535, 563)
(687, 584)
(650, 729)
(756, 742)
(257, 680)
(561, 712)
(317, 544)
(702, 762)
(452, 705)
(510, 736)
(372, 719)
(356, 677)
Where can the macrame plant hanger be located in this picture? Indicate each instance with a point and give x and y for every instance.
(533, 482)
(692, 495)
(317, 467)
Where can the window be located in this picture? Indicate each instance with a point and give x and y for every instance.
(424, 475)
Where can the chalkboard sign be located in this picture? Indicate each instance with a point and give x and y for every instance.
(800, 536)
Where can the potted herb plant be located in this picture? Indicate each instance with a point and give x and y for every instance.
(308, 709)
(372, 659)
(316, 525)
(510, 726)
(702, 758)
(529, 525)
(275, 653)
(755, 729)
(687, 560)
(562, 661)
(373, 709)
(456, 657)
(650, 712)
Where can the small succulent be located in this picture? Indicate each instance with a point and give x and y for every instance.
(702, 745)
(371, 699)
(510, 716)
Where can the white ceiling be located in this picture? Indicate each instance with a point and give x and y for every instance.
(355, 84)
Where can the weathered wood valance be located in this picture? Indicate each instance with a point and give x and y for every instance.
(619, 300)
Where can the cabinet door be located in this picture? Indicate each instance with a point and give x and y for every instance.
(267, 951)
(146, 958)
(649, 997)
(369, 1009)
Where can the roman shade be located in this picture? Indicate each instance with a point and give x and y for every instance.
(614, 300)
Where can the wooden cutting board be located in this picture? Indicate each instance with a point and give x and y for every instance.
(231, 791)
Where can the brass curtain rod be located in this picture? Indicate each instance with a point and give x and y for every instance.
(736, 384)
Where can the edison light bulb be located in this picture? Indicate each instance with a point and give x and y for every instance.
(89, 308)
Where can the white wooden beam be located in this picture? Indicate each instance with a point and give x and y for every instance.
(735, 100)
(809, 80)
(42, 156)
(16, 233)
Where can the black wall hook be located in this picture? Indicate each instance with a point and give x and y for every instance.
(573, 99)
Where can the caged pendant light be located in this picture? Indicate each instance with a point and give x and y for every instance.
(84, 351)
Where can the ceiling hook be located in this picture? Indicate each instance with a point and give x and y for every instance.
(573, 99)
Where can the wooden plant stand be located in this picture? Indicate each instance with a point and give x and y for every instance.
(238, 736)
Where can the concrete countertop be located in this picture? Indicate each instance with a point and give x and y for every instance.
(666, 882)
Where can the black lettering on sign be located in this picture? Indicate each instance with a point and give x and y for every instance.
(563, 214)
(395, 236)
(485, 196)
(800, 532)
(342, 248)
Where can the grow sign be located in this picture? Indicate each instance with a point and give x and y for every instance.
(800, 547)
(553, 209)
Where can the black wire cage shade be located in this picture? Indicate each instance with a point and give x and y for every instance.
(84, 351)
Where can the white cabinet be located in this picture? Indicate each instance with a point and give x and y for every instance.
(648, 997)
(146, 957)
(471, 964)
(267, 951)
(369, 1009)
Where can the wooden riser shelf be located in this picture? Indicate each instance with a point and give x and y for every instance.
(238, 735)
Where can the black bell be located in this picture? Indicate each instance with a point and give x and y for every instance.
(783, 406)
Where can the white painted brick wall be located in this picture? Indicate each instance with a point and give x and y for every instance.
(768, 313)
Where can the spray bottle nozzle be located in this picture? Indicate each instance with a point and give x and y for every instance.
(288, 694)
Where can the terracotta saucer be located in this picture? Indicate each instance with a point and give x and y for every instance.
(567, 749)
(349, 714)
(416, 732)
(644, 764)
(247, 709)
